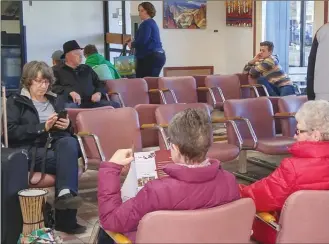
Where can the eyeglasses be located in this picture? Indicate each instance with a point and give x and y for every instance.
(298, 131)
(41, 82)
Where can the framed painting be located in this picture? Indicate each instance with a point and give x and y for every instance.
(180, 14)
(239, 13)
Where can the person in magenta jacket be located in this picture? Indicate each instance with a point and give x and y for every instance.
(307, 169)
(194, 182)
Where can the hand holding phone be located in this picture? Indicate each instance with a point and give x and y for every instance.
(62, 114)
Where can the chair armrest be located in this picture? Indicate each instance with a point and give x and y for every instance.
(212, 95)
(119, 96)
(159, 127)
(118, 238)
(284, 115)
(254, 87)
(162, 91)
(268, 219)
(79, 136)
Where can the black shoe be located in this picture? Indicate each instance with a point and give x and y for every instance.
(78, 229)
(68, 201)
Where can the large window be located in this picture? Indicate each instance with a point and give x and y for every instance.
(300, 32)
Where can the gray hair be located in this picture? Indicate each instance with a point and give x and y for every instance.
(191, 131)
(31, 70)
(315, 115)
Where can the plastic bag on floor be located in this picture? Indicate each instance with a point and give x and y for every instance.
(44, 235)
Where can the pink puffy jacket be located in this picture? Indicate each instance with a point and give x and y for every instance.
(184, 189)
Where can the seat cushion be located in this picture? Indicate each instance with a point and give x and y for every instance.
(223, 152)
(275, 146)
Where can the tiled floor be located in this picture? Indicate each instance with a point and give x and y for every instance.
(88, 213)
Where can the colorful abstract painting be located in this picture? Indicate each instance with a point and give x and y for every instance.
(239, 13)
(180, 14)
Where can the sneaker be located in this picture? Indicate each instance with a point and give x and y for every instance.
(78, 229)
(68, 201)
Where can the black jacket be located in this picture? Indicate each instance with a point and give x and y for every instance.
(310, 69)
(83, 80)
(24, 127)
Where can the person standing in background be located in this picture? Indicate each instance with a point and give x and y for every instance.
(56, 58)
(150, 57)
(317, 69)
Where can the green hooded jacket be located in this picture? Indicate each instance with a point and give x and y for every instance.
(97, 59)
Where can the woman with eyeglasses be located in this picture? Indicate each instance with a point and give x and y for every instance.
(34, 124)
(306, 169)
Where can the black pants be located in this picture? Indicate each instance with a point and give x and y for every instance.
(62, 161)
(104, 238)
(150, 65)
(101, 103)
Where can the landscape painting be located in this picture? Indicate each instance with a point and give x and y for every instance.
(180, 14)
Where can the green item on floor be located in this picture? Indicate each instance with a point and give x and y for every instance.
(44, 235)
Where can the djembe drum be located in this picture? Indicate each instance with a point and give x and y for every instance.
(32, 203)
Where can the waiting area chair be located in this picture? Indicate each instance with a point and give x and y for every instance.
(303, 218)
(229, 223)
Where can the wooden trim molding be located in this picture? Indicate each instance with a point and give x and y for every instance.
(167, 70)
(326, 4)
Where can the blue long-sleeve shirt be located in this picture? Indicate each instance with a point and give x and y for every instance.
(147, 39)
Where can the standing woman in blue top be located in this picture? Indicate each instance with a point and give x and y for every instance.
(150, 56)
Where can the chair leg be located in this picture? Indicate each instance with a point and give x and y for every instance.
(262, 163)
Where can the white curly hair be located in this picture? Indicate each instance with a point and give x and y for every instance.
(315, 116)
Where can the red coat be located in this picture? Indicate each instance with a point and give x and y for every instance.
(184, 189)
(307, 169)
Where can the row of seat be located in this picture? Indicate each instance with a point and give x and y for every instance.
(250, 125)
(232, 222)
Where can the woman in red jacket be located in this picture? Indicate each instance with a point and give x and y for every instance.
(307, 169)
(194, 181)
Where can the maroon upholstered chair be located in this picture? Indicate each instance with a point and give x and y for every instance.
(212, 225)
(288, 106)
(303, 218)
(200, 82)
(111, 129)
(221, 151)
(257, 129)
(153, 84)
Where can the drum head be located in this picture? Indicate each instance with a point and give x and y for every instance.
(32, 193)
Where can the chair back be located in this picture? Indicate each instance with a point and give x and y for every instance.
(228, 223)
(132, 91)
(184, 88)
(73, 112)
(304, 218)
(258, 111)
(290, 104)
(229, 84)
(165, 113)
(115, 128)
(152, 83)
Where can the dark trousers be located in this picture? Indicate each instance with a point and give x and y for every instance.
(104, 238)
(62, 161)
(101, 103)
(275, 90)
(150, 65)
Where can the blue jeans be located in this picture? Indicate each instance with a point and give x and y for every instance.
(275, 91)
(101, 103)
(62, 161)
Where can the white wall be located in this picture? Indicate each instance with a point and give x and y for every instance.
(51, 23)
(10, 26)
(227, 50)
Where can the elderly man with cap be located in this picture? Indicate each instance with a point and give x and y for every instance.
(77, 83)
(57, 58)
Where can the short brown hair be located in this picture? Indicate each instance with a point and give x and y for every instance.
(268, 44)
(31, 70)
(191, 131)
(149, 8)
(89, 50)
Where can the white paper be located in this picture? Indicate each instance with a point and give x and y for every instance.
(142, 170)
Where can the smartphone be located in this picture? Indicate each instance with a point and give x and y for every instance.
(62, 114)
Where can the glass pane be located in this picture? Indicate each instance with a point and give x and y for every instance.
(115, 16)
(113, 55)
(294, 42)
(128, 18)
(308, 35)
